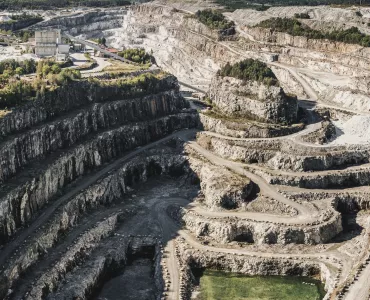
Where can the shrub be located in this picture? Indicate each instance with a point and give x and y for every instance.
(137, 55)
(249, 69)
(15, 93)
(28, 65)
(296, 28)
(19, 71)
(214, 19)
(302, 16)
(46, 67)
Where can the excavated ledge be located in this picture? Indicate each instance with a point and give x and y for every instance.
(78, 252)
(222, 188)
(349, 177)
(104, 192)
(245, 129)
(65, 132)
(103, 265)
(228, 229)
(73, 96)
(19, 205)
(286, 154)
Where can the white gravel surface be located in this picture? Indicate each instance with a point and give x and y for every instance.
(354, 131)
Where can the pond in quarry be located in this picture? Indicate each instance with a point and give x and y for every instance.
(224, 286)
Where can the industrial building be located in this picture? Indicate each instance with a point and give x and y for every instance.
(49, 43)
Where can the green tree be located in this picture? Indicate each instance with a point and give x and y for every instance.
(56, 69)
(46, 69)
(19, 71)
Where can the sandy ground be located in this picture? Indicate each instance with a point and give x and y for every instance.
(11, 52)
(354, 131)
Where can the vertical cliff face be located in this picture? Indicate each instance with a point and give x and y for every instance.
(253, 100)
(20, 204)
(74, 130)
(180, 43)
(91, 22)
(78, 95)
(113, 187)
(65, 132)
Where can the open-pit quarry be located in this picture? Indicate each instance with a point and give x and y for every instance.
(108, 191)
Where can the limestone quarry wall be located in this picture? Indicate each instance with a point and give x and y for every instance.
(252, 100)
(93, 21)
(108, 189)
(244, 130)
(75, 95)
(19, 205)
(63, 133)
(250, 231)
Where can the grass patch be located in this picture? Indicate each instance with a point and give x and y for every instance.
(118, 66)
(215, 285)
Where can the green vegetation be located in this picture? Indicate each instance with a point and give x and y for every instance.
(25, 17)
(14, 91)
(88, 56)
(119, 67)
(214, 19)
(137, 55)
(10, 67)
(225, 286)
(25, 35)
(296, 28)
(249, 69)
(46, 67)
(265, 4)
(101, 41)
(47, 4)
(302, 16)
(143, 82)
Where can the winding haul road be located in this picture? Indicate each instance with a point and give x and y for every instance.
(169, 228)
(359, 290)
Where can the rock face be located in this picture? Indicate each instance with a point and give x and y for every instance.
(103, 193)
(281, 154)
(20, 204)
(245, 129)
(77, 95)
(84, 126)
(221, 188)
(63, 133)
(252, 100)
(224, 230)
(93, 21)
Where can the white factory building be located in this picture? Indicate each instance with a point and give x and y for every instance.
(49, 43)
